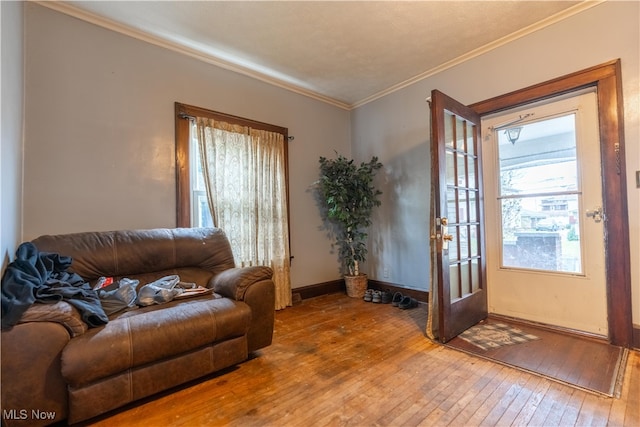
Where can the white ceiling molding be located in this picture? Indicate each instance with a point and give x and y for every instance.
(581, 7)
(206, 57)
(108, 24)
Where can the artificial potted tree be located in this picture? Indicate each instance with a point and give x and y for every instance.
(347, 197)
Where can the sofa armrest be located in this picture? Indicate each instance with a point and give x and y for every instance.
(261, 297)
(234, 282)
(31, 374)
(61, 312)
(255, 287)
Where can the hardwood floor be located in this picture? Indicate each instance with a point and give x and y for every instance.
(340, 361)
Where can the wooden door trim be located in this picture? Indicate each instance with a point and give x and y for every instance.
(608, 81)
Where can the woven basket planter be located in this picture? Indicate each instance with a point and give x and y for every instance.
(356, 285)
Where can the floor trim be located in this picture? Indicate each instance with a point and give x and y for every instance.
(334, 286)
(311, 291)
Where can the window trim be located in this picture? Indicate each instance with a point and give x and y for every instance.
(183, 114)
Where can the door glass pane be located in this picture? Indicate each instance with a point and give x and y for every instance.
(473, 207)
(462, 206)
(449, 120)
(462, 175)
(541, 160)
(460, 135)
(454, 248)
(540, 196)
(451, 172)
(473, 240)
(464, 241)
(465, 278)
(470, 147)
(475, 275)
(452, 211)
(471, 171)
(454, 279)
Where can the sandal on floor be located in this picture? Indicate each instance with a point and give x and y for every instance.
(408, 302)
(397, 297)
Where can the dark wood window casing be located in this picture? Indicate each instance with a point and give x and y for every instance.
(183, 114)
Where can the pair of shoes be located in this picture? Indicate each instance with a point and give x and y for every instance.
(386, 296)
(377, 297)
(397, 297)
(371, 295)
(407, 303)
(368, 295)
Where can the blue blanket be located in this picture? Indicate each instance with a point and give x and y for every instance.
(43, 277)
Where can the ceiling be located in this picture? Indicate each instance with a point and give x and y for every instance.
(344, 53)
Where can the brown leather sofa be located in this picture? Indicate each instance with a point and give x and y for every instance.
(55, 368)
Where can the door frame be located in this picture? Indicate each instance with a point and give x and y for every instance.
(607, 79)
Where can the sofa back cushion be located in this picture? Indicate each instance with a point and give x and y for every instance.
(139, 252)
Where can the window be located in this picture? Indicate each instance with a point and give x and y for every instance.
(200, 213)
(191, 199)
(539, 188)
(232, 173)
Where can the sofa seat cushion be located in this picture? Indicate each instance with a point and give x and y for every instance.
(151, 334)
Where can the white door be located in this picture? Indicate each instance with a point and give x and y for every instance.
(544, 224)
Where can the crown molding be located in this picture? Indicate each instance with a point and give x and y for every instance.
(560, 16)
(100, 21)
(126, 30)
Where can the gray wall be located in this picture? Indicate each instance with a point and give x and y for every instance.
(11, 113)
(99, 150)
(397, 127)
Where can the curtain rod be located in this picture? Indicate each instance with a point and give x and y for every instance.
(188, 117)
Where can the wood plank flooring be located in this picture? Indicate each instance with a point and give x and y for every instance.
(337, 361)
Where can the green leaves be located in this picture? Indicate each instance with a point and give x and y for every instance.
(349, 196)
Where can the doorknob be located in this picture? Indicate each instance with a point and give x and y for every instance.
(596, 214)
(443, 234)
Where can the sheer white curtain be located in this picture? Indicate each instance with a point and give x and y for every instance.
(244, 172)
